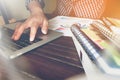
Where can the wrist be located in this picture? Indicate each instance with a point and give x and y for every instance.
(34, 2)
(36, 10)
(34, 6)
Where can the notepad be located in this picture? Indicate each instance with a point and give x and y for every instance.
(113, 37)
(99, 49)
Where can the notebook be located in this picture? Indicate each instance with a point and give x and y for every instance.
(99, 49)
(108, 32)
(14, 49)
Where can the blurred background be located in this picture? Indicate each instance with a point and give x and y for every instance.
(112, 9)
(15, 9)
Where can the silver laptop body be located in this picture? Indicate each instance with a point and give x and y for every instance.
(14, 49)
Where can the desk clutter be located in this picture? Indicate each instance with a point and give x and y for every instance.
(102, 44)
(57, 60)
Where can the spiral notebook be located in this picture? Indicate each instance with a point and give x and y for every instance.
(98, 48)
(108, 31)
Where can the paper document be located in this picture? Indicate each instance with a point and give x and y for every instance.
(63, 23)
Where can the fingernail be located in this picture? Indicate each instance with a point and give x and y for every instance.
(31, 39)
(44, 31)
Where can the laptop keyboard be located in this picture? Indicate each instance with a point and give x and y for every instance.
(6, 40)
(24, 41)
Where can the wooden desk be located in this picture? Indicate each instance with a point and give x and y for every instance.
(57, 60)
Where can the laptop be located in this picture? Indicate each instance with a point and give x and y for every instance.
(14, 49)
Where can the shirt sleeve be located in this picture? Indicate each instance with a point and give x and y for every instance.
(40, 1)
(81, 8)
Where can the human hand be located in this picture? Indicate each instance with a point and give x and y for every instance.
(35, 21)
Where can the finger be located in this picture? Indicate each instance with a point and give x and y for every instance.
(16, 29)
(44, 28)
(18, 32)
(33, 25)
(33, 32)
